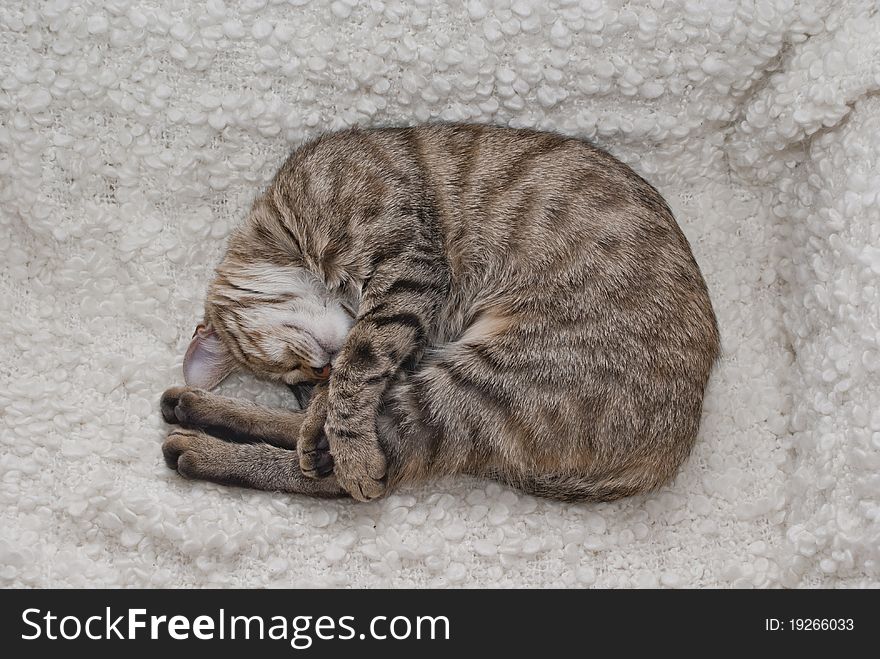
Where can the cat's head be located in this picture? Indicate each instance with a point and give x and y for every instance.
(281, 323)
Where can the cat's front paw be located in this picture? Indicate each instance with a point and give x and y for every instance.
(359, 466)
(312, 447)
(315, 460)
(355, 458)
(182, 405)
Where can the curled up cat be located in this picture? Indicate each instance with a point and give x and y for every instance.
(466, 299)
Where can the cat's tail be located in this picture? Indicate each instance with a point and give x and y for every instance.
(567, 487)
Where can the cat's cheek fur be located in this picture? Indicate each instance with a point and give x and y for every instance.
(316, 328)
(329, 325)
(283, 311)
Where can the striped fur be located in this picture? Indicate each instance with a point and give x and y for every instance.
(507, 303)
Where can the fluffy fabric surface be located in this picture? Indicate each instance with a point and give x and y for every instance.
(133, 136)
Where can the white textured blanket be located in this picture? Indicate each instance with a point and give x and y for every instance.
(134, 134)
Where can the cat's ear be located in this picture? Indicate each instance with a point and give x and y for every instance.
(207, 361)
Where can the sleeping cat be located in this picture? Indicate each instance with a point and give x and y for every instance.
(505, 303)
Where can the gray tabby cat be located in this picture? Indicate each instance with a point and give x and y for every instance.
(505, 303)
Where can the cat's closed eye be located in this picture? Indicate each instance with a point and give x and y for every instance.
(307, 373)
